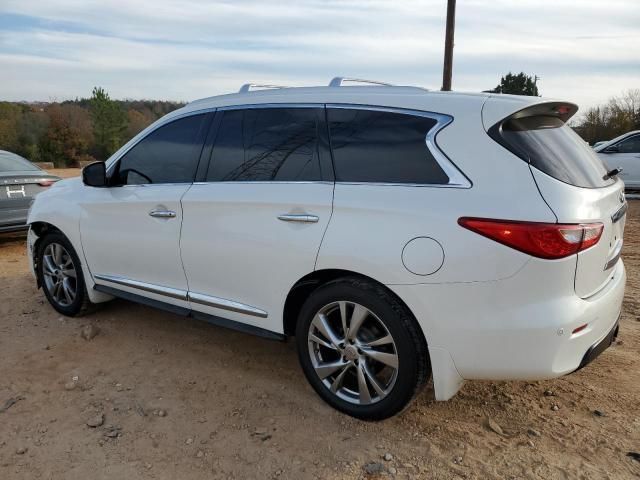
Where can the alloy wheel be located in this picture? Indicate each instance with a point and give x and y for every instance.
(353, 352)
(59, 273)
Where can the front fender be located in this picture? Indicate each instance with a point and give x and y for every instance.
(59, 208)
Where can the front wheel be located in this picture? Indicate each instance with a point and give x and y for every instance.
(361, 349)
(60, 274)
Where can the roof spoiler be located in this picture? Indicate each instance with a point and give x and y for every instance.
(497, 111)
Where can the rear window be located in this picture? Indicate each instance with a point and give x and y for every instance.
(549, 145)
(10, 162)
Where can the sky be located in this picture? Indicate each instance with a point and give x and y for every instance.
(583, 50)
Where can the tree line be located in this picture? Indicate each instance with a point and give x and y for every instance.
(66, 133)
(89, 129)
(619, 115)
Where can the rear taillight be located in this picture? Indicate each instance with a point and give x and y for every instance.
(45, 182)
(543, 240)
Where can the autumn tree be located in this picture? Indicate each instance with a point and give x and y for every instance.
(68, 135)
(67, 132)
(32, 126)
(619, 115)
(109, 123)
(9, 118)
(519, 84)
(138, 120)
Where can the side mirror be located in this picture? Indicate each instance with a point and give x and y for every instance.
(95, 175)
(611, 149)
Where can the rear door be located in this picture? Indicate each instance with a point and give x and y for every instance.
(574, 182)
(253, 226)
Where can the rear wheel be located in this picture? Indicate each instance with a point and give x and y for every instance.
(361, 349)
(60, 274)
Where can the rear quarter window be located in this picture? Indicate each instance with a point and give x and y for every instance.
(382, 147)
(552, 147)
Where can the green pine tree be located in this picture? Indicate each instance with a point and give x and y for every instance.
(109, 123)
(520, 84)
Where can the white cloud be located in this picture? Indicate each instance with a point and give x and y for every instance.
(583, 50)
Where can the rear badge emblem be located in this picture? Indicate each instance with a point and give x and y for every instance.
(11, 193)
(621, 197)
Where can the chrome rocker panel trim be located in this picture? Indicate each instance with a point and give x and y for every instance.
(199, 298)
(147, 287)
(225, 304)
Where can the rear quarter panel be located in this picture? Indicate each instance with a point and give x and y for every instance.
(372, 223)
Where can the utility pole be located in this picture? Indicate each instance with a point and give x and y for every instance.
(448, 46)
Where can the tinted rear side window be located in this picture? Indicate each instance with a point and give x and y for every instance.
(382, 147)
(549, 145)
(629, 145)
(266, 144)
(169, 154)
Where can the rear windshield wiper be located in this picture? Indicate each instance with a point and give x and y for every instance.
(614, 172)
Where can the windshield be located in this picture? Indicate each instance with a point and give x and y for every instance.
(10, 162)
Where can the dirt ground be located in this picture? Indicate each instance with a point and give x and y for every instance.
(185, 400)
(65, 172)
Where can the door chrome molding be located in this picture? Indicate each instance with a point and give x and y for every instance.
(147, 287)
(225, 304)
(254, 106)
(198, 298)
(265, 182)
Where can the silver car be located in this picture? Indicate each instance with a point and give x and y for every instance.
(623, 152)
(20, 181)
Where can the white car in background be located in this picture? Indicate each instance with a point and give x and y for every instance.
(623, 152)
(398, 234)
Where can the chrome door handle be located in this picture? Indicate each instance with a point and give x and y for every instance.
(302, 218)
(162, 213)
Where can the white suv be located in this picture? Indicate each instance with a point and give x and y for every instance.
(399, 234)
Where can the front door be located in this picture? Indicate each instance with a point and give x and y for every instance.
(131, 230)
(254, 227)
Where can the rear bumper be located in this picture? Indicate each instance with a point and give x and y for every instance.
(599, 347)
(12, 220)
(520, 328)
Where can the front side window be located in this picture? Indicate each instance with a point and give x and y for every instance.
(382, 147)
(630, 145)
(266, 144)
(169, 154)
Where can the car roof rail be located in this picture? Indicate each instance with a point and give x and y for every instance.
(248, 86)
(339, 81)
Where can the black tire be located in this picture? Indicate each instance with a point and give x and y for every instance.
(413, 366)
(80, 304)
